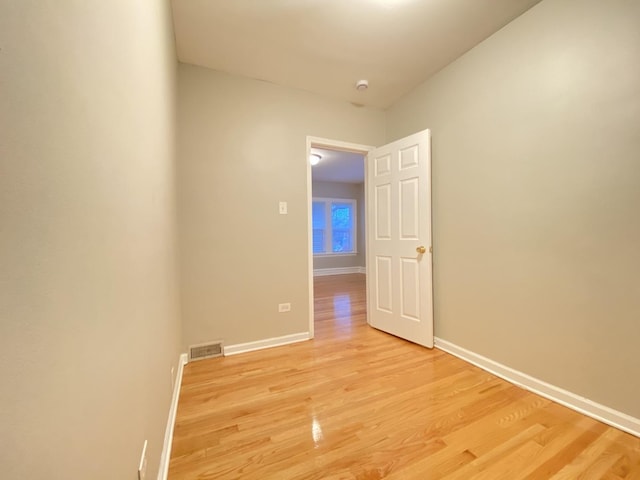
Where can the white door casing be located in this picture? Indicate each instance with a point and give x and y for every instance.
(399, 278)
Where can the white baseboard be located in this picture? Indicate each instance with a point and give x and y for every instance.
(163, 471)
(571, 400)
(266, 343)
(322, 272)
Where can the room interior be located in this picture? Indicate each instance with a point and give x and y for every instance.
(340, 175)
(139, 193)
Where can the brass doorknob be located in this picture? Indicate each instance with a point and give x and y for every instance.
(421, 249)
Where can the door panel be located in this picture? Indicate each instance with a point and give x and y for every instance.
(383, 283)
(409, 157)
(383, 165)
(409, 209)
(383, 212)
(399, 286)
(410, 289)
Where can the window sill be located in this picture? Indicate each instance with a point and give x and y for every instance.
(349, 254)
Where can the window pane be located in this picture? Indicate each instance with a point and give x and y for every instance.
(340, 215)
(318, 215)
(342, 241)
(341, 223)
(318, 240)
(319, 224)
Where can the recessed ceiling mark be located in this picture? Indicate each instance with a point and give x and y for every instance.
(362, 85)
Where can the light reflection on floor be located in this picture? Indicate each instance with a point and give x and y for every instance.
(316, 432)
(342, 310)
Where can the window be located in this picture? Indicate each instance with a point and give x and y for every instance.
(334, 226)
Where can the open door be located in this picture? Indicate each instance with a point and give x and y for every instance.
(399, 267)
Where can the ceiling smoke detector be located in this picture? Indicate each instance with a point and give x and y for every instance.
(362, 85)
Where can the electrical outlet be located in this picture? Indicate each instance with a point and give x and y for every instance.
(142, 467)
(284, 307)
(283, 208)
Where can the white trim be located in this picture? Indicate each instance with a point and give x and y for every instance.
(320, 142)
(367, 241)
(310, 239)
(266, 343)
(142, 465)
(163, 471)
(571, 400)
(335, 145)
(323, 272)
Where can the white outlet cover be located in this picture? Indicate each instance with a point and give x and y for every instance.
(283, 208)
(284, 307)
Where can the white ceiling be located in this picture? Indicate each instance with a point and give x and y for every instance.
(325, 46)
(335, 166)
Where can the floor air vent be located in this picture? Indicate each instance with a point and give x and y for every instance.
(205, 350)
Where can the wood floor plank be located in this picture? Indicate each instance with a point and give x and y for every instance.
(356, 403)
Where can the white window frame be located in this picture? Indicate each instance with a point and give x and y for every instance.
(328, 242)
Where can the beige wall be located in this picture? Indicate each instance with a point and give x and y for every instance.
(242, 149)
(88, 312)
(353, 191)
(536, 186)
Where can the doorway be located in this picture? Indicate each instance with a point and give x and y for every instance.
(399, 286)
(336, 198)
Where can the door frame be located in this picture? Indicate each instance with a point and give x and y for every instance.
(319, 142)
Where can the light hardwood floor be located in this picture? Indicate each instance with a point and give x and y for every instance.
(355, 403)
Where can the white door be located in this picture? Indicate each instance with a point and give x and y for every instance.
(399, 268)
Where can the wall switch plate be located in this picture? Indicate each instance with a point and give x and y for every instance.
(283, 208)
(142, 467)
(284, 307)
